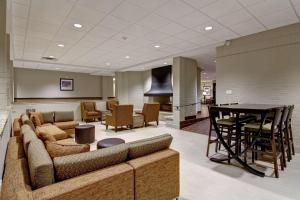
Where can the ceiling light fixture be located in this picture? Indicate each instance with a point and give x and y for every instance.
(61, 45)
(108, 64)
(127, 57)
(157, 46)
(77, 25)
(208, 28)
(51, 56)
(165, 63)
(57, 68)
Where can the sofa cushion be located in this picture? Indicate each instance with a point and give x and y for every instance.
(30, 123)
(66, 125)
(36, 118)
(48, 117)
(24, 117)
(40, 165)
(46, 137)
(92, 113)
(56, 149)
(52, 130)
(147, 146)
(74, 165)
(28, 136)
(64, 116)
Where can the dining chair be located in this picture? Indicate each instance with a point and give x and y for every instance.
(210, 140)
(289, 129)
(266, 140)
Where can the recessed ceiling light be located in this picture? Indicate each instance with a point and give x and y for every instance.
(165, 63)
(57, 68)
(203, 72)
(208, 28)
(215, 61)
(108, 64)
(51, 56)
(61, 45)
(114, 79)
(77, 25)
(157, 46)
(127, 57)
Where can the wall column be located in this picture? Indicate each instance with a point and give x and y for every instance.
(185, 89)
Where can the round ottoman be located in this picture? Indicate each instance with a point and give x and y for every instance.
(85, 134)
(109, 142)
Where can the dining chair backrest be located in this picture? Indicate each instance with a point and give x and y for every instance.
(290, 115)
(276, 118)
(284, 117)
(224, 113)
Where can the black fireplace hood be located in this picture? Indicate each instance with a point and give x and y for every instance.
(161, 84)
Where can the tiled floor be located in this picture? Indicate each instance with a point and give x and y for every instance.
(202, 179)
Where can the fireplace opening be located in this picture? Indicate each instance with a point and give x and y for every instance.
(164, 101)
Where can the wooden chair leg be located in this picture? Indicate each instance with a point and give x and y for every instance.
(116, 128)
(229, 134)
(282, 148)
(209, 139)
(106, 126)
(288, 145)
(274, 154)
(292, 140)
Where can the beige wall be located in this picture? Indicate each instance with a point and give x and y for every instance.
(107, 87)
(130, 88)
(31, 83)
(262, 68)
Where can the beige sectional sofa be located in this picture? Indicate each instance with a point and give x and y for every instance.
(59, 124)
(142, 170)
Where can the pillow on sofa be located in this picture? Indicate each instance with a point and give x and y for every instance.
(147, 146)
(48, 117)
(46, 137)
(24, 118)
(36, 118)
(57, 150)
(64, 116)
(40, 165)
(74, 165)
(28, 136)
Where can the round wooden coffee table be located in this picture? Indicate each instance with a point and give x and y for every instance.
(109, 142)
(85, 134)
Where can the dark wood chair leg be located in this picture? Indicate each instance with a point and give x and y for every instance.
(116, 128)
(274, 154)
(282, 148)
(106, 126)
(209, 139)
(157, 122)
(229, 135)
(292, 140)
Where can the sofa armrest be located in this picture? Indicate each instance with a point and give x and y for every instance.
(16, 127)
(115, 182)
(157, 175)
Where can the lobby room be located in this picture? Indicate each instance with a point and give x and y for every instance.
(149, 99)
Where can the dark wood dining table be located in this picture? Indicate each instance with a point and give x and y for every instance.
(238, 109)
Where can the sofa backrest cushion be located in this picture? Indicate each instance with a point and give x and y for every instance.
(28, 136)
(40, 165)
(48, 117)
(147, 146)
(64, 116)
(30, 123)
(74, 165)
(37, 118)
(24, 117)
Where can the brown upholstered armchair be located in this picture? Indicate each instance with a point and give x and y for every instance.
(121, 116)
(89, 111)
(150, 112)
(111, 103)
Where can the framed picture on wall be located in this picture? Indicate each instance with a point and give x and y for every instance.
(66, 84)
(206, 90)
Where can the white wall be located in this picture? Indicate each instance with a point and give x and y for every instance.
(262, 68)
(131, 86)
(107, 87)
(185, 87)
(31, 83)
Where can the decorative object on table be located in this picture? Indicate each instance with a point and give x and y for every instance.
(85, 134)
(206, 90)
(109, 142)
(66, 84)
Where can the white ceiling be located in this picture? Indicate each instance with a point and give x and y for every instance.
(38, 26)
